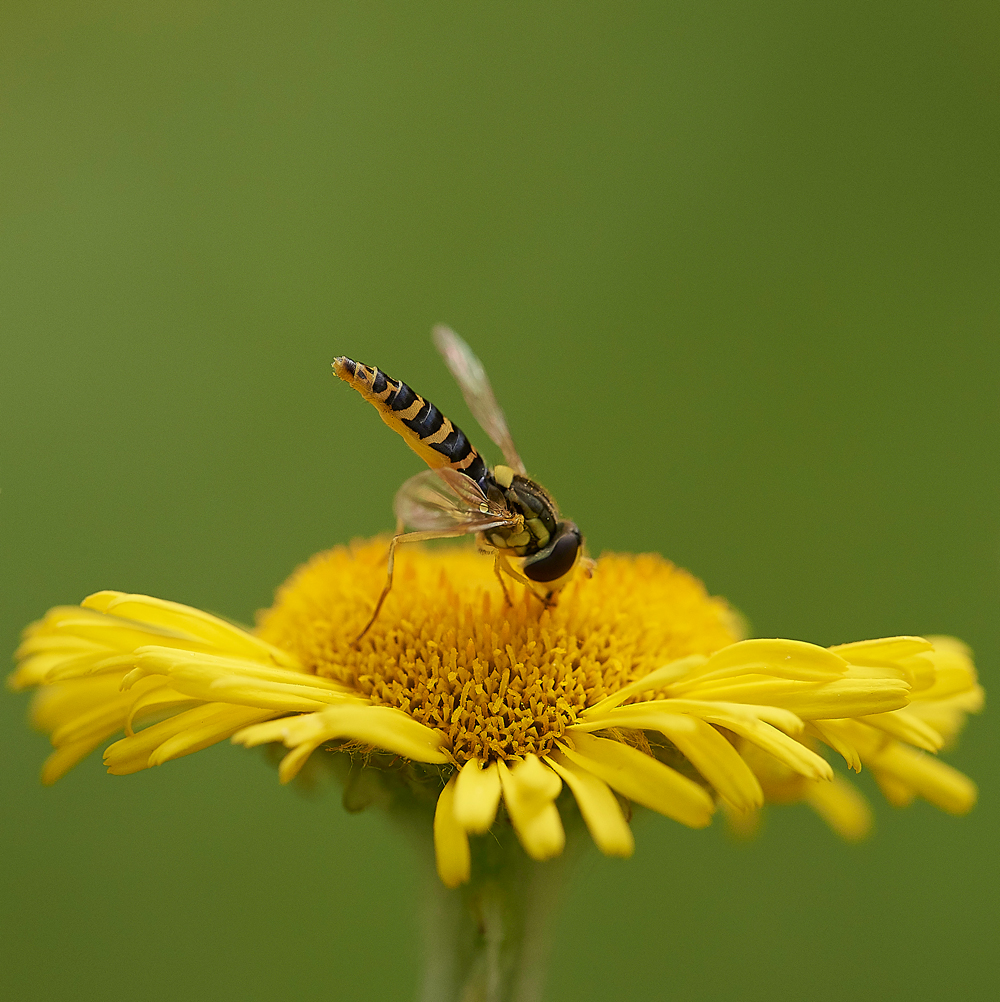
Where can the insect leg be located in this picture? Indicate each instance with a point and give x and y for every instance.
(403, 537)
(503, 564)
(503, 584)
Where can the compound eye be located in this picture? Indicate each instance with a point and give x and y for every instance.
(558, 558)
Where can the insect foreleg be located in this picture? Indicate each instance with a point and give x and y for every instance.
(503, 564)
(403, 537)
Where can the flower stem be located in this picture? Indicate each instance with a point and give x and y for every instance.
(488, 941)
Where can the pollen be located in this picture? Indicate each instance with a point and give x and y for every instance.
(498, 682)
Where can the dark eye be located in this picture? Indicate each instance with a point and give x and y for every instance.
(558, 557)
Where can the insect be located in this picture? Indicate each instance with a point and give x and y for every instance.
(513, 517)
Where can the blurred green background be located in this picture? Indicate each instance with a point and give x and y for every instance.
(733, 268)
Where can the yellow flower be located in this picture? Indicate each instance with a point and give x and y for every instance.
(633, 688)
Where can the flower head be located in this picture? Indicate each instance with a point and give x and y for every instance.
(634, 687)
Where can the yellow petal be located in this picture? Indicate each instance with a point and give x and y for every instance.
(477, 796)
(43, 669)
(269, 695)
(388, 728)
(598, 806)
(168, 660)
(703, 746)
(887, 650)
(273, 730)
(291, 764)
(642, 778)
(379, 726)
(787, 659)
(63, 759)
(38, 663)
(845, 697)
(451, 843)
(106, 718)
(155, 702)
(597, 720)
(952, 674)
(849, 738)
(123, 635)
(894, 790)
(783, 719)
(234, 680)
(54, 705)
(54, 643)
(906, 727)
(532, 812)
(842, 807)
(222, 725)
(947, 716)
(193, 622)
(942, 785)
(131, 754)
(654, 680)
(786, 749)
(535, 781)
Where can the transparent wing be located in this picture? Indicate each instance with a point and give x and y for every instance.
(478, 393)
(445, 500)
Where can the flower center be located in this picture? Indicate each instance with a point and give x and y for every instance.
(499, 681)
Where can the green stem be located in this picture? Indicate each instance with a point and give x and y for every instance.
(488, 941)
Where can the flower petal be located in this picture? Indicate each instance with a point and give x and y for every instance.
(887, 650)
(154, 660)
(185, 619)
(598, 806)
(792, 753)
(642, 778)
(477, 796)
(842, 807)
(291, 764)
(132, 754)
(451, 843)
(53, 705)
(848, 738)
(234, 680)
(845, 697)
(942, 785)
(906, 727)
(947, 716)
(106, 718)
(656, 679)
(155, 702)
(529, 790)
(48, 657)
(704, 747)
(379, 726)
(64, 758)
(220, 726)
(788, 659)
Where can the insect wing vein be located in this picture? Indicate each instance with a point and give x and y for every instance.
(471, 377)
(444, 499)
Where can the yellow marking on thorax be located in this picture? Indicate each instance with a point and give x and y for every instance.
(503, 475)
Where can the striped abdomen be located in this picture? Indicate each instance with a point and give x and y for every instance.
(424, 428)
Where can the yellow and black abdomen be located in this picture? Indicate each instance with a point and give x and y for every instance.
(423, 427)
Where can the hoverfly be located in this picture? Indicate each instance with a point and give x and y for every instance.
(512, 516)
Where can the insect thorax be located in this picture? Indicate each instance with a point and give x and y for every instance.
(530, 500)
